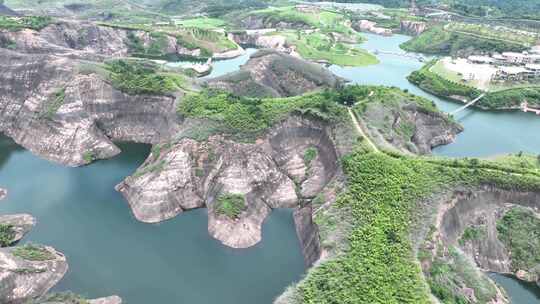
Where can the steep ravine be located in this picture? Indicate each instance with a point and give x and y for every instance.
(482, 209)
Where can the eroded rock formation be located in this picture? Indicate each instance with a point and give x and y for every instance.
(23, 278)
(413, 28)
(271, 173)
(21, 224)
(269, 73)
(481, 210)
(90, 115)
(408, 127)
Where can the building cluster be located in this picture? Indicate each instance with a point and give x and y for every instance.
(512, 66)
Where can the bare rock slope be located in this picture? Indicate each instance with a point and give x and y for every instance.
(270, 73)
(271, 173)
(25, 277)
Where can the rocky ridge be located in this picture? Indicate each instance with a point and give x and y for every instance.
(21, 224)
(269, 174)
(270, 73)
(26, 278)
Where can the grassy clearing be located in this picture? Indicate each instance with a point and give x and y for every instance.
(440, 41)
(28, 22)
(319, 46)
(33, 253)
(509, 35)
(203, 23)
(230, 205)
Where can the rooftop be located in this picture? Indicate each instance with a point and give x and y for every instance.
(513, 70)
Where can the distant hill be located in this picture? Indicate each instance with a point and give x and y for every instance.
(6, 11)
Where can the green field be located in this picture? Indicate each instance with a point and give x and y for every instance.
(319, 46)
(203, 23)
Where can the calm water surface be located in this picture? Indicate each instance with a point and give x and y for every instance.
(486, 133)
(518, 291)
(109, 252)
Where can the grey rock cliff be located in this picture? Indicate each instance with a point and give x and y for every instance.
(408, 127)
(308, 234)
(22, 279)
(269, 73)
(483, 208)
(88, 40)
(413, 28)
(91, 115)
(21, 224)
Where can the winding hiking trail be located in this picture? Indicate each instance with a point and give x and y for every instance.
(359, 130)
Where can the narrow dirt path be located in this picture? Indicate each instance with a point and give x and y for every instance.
(359, 130)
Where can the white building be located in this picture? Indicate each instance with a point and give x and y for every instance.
(481, 59)
(514, 58)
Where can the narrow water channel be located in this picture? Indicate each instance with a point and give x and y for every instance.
(109, 252)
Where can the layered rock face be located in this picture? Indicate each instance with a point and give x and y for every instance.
(22, 279)
(308, 234)
(269, 174)
(269, 73)
(369, 26)
(90, 41)
(79, 129)
(409, 128)
(413, 28)
(481, 210)
(258, 38)
(21, 224)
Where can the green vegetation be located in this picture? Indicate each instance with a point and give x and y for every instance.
(230, 205)
(519, 230)
(438, 85)
(203, 22)
(253, 115)
(7, 234)
(385, 196)
(496, 33)
(309, 155)
(28, 22)
(153, 168)
(472, 234)
(55, 104)
(89, 156)
(434, 83)
(448, 275)
(156, 49)
(33, 253)
(141, 77)
(442, 41)
(320, 46)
